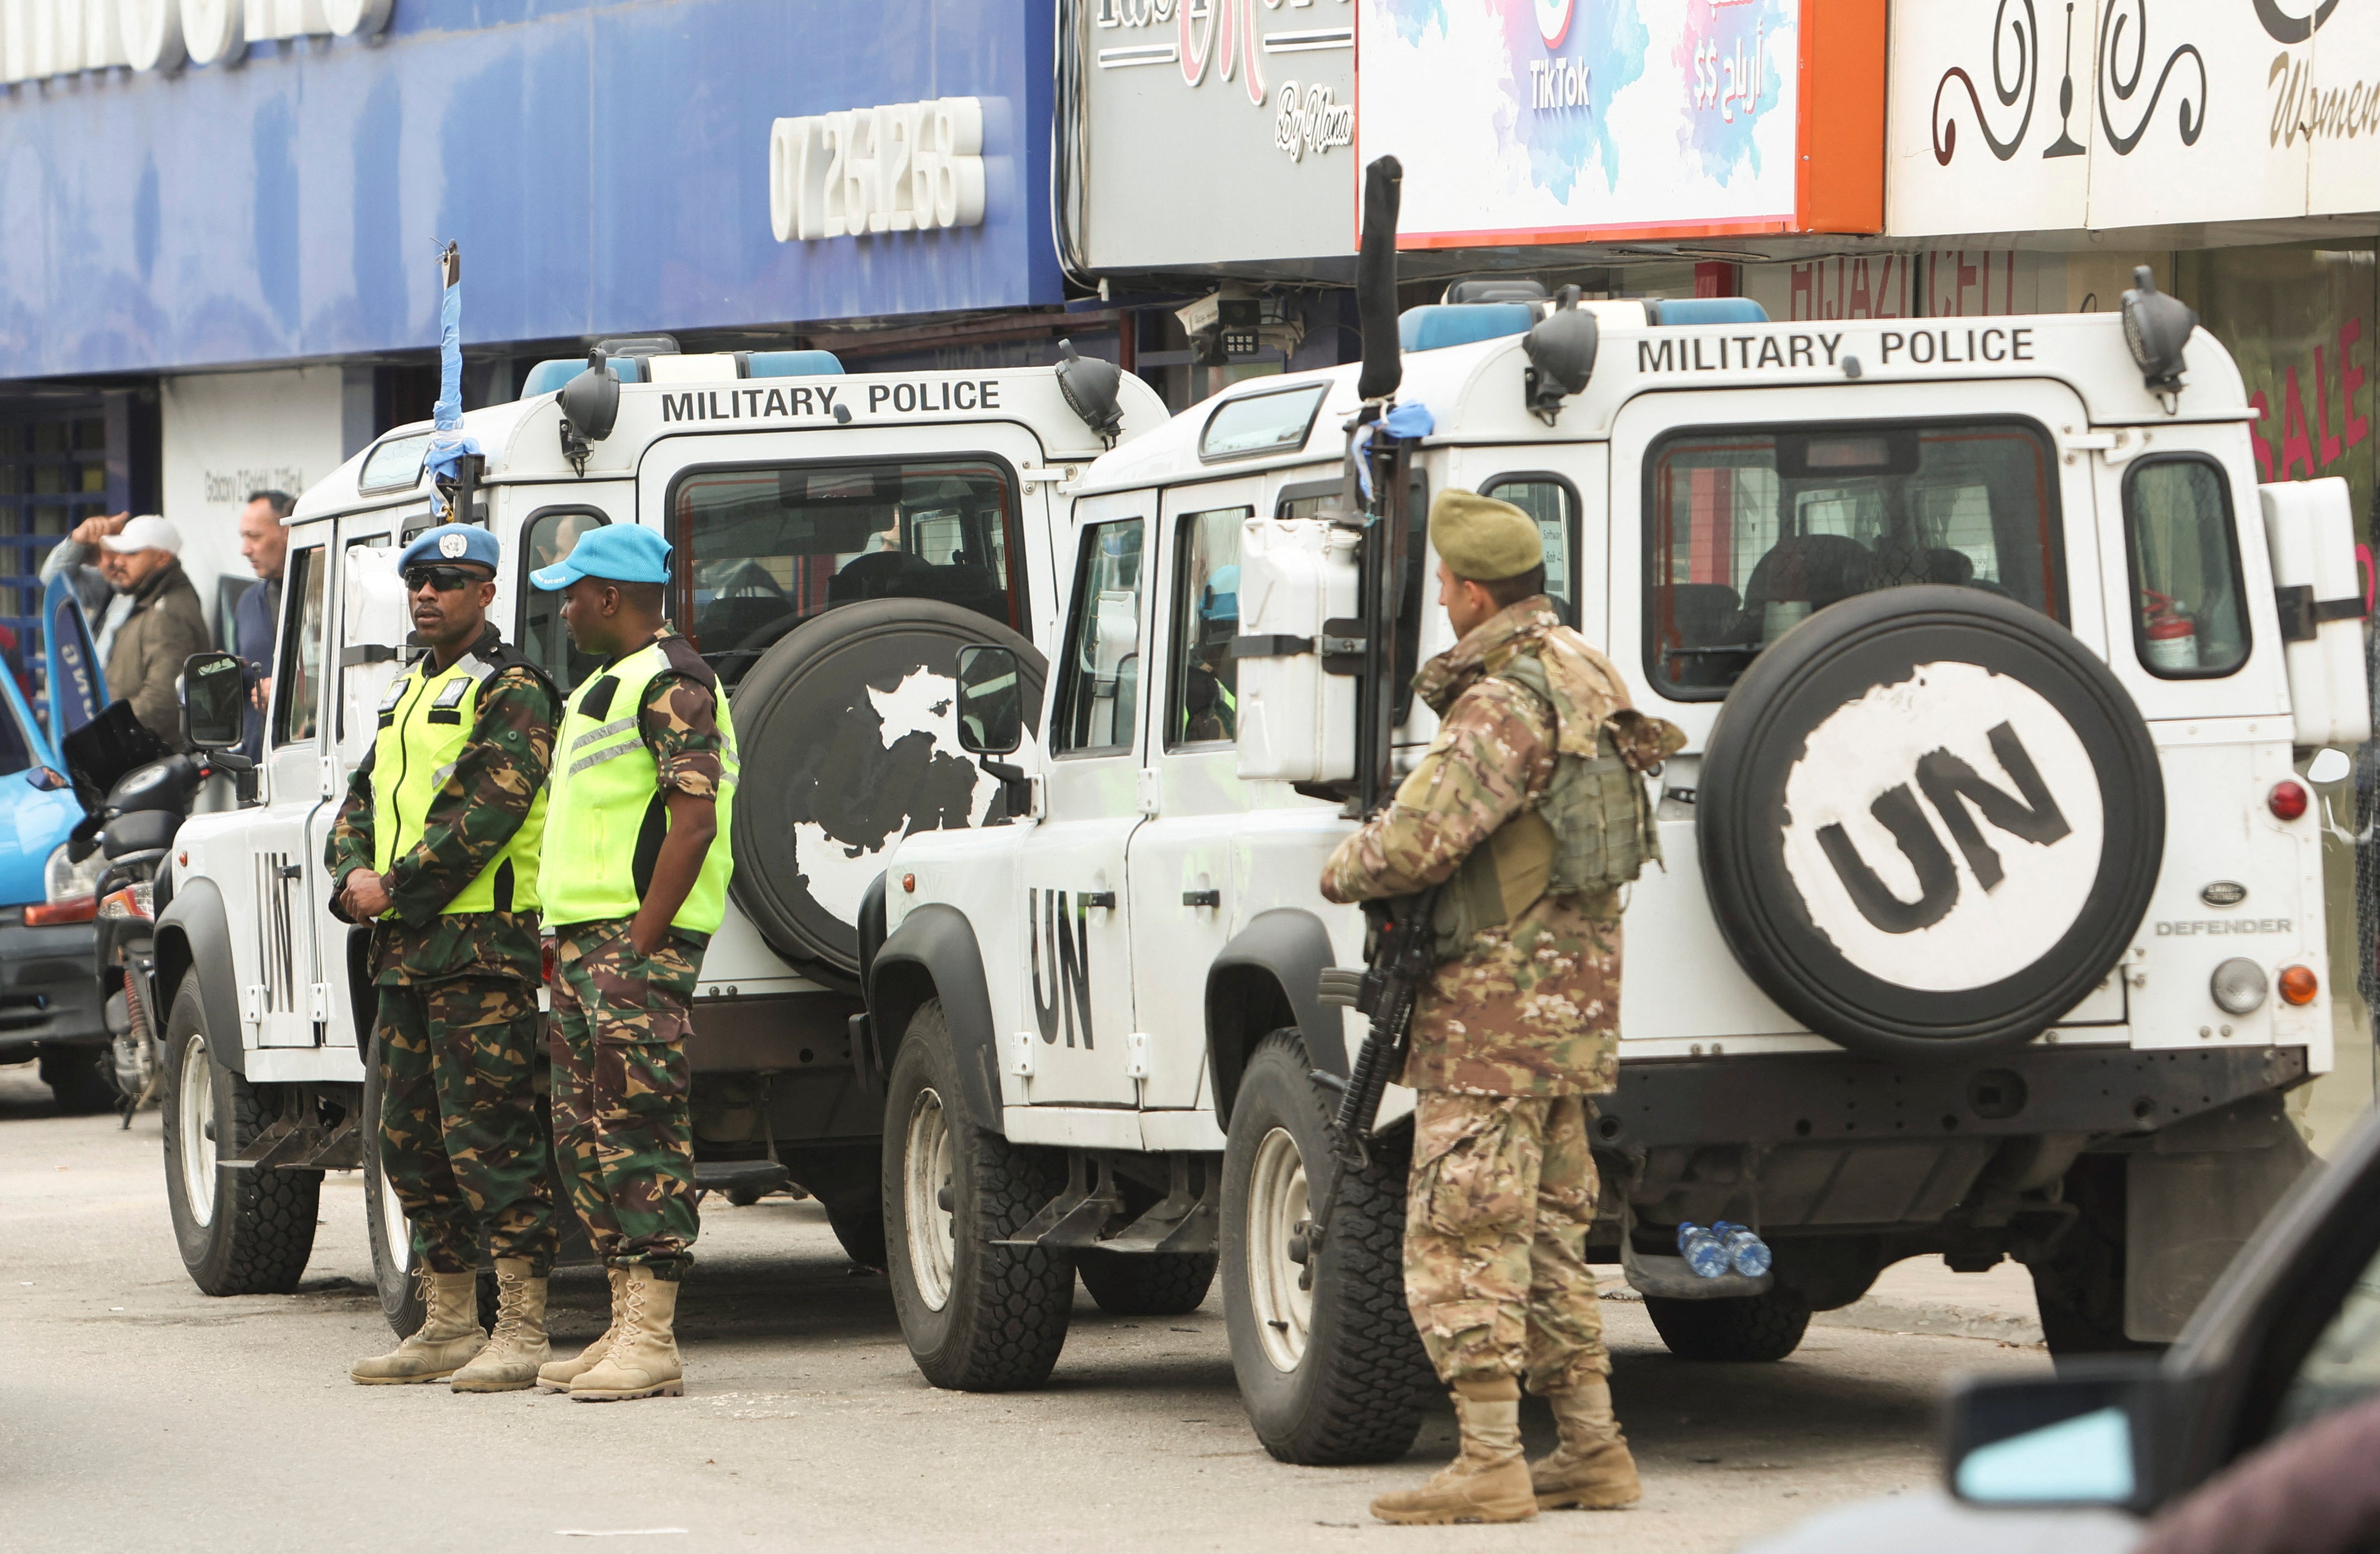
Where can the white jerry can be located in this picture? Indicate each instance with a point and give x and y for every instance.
(2310, 529)
(1297, 720)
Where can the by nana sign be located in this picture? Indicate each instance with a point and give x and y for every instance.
(41, 39)
(908, 168)
(2107, 114)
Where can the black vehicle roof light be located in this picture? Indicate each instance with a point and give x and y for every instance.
(1561, 356)
(2157, 327)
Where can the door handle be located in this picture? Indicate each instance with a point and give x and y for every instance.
(1099, 898)
(1202, 898)
(289, 870)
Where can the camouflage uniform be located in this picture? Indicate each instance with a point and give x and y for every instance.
(622, 1131)
(1511, 1035)
(460, 1137)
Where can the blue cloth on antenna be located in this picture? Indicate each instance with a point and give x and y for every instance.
(449, 446)
(1412, 421)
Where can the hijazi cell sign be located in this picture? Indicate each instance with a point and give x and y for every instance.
(1538, 121)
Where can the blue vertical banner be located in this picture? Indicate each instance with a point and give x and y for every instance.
(77, 687)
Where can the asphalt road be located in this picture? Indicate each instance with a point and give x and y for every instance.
(137, 1414)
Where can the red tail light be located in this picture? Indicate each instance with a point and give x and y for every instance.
(2287, 800)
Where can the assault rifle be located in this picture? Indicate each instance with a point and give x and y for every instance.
(1376, 498)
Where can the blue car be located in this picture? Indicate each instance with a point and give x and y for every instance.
(49, 1002)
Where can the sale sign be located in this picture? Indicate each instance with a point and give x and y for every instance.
(1544, 121)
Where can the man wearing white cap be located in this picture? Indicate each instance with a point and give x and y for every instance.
(165, 625)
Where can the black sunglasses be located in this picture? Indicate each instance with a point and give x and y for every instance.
(445, 579)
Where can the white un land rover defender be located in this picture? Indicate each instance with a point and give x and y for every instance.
(1992, 918)
(839, 538)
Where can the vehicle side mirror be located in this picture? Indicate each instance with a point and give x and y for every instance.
(46, 780)
(215, 702)
(991, 701)
(2094, 1435)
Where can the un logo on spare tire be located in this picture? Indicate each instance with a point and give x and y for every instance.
(1929, 820)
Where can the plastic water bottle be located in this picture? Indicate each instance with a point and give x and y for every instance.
(1702, 1251)
(1747, 1252)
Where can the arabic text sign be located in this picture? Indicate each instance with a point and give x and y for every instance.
(2123, 112)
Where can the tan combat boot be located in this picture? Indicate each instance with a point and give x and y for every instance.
(1591, 1470)
(557, 1375)
(1488, 1480)
(447, 1337)
(517, 1347)
(643, 1361)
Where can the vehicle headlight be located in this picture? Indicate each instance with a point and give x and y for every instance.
(2239, 986)
(63, 879)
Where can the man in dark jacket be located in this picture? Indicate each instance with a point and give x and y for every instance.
(165, 624)
(265, 544)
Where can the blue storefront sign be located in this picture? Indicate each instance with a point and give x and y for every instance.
(606, 166)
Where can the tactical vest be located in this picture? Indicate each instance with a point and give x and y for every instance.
(609, 815)
(425, 720)
(1591, 831)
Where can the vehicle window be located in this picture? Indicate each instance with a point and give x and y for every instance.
(15, 744)
(2190, 618)
(1203, 701)
(1548, 500)
(773, 546)
(2343, 1367)
(1261, 423)
(299, 683)
(1749, 530)
(548, 539)
(1098, 686)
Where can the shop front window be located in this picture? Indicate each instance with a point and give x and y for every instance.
(2189, 606)
(774, 545)
(1752, 531)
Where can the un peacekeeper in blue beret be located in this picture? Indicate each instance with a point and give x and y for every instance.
(437, 847)
(647, 732)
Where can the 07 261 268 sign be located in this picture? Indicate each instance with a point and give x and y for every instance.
(905, 167)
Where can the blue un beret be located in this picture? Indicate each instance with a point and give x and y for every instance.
(452, 542)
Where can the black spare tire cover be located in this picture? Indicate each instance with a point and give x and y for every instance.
(848, 732)
(1929, 820)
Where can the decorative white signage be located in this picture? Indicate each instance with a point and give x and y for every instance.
(2104, 113)
(911, 167)
(43, 38)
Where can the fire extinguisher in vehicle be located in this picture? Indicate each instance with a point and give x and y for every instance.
(2171, 636)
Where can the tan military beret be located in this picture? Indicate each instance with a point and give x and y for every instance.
(1482, 539)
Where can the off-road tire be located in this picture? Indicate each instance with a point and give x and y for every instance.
(2078, 1285)
(81, 1080)
(1738, 1329)
(1004, 1320)
(1148, 1283)
(261, 1227)
(1355, 1394)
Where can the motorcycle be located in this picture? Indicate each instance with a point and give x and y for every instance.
(136, 792)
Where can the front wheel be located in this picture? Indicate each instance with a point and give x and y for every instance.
(1335, 1374)
(242, 1232)
(978, 1316)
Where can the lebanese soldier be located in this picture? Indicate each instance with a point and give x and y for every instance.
(643, 786)
(437, 846)
(1517, 1027)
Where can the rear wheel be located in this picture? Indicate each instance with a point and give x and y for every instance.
(1147, 1283)
(1333, 1374)
(2078, 1284)
(80, 1079)
(242, 1232)
(978, 1316)
(1740, 1328)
